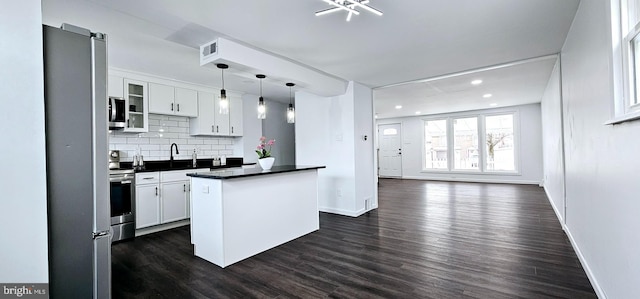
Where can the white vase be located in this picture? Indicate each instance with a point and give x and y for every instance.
(266, 163)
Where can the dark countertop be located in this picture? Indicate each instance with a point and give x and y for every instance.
(241, 172)
(166, 165)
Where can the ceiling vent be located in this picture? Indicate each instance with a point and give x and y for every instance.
(246, 60)
(208, 49)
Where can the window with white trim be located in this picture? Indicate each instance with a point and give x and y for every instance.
(625, 21)
(435, 144)
(479, 143)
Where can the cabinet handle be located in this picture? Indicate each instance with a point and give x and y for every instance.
(148, 178)
(156, 191)
(171, 106)
(232, 130)
(217, 129)
(178, 107)
(128, 125)
(213, 129)
(184, 187)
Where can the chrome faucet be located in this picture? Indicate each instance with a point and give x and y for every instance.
(171, 156)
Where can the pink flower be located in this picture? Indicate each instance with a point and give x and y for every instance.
(263, 138)
(271, 142)
(260, 147)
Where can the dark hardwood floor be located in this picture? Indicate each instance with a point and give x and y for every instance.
(426, 240)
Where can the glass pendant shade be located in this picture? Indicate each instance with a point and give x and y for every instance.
(262, 109)
(291, 114)
(223, 102)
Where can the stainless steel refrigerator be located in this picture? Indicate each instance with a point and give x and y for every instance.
(75, 70)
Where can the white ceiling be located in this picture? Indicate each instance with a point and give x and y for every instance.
(414, 39)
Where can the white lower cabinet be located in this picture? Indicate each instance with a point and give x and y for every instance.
(147, 205)
(163, 197)
(174, 201)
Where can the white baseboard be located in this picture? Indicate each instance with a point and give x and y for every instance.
(472, 180)
(594, 282)
(555, 209)
(161, 227)
(342, 212)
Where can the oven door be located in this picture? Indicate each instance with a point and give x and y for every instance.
(122, 203)
(117, 113)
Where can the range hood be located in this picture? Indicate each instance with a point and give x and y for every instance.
(251, 60)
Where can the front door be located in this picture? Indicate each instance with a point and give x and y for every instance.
(390, 155)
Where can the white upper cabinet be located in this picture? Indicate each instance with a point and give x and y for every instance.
(161, 99)
(115, 86)
(211, 122)
(186, 102)
(165, 99)
(204, 124)
(136, 106)
(221, 120)
(235, 116)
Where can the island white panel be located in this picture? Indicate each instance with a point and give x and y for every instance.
(234, 219)
(206, 220)
(266, 211)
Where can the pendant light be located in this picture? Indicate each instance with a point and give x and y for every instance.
(291, 112)
(224, 102)
(262, 109)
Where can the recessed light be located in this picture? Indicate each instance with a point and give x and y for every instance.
(487, 95)
(493, 104)
(398, 107)
(417, 112)
(376, 116)
(476, 82)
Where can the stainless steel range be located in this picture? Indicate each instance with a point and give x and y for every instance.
(122, 183)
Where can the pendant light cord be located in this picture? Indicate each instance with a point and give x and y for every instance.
(222, 78)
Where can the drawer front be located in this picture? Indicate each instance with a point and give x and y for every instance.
(179, 175)
(147, 178)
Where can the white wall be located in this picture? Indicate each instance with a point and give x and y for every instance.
(23, 208)
(327, 131)
(366, 189)
(275, 126)
(602, 164)
(252, 129)
(552, 144)
(530, 144)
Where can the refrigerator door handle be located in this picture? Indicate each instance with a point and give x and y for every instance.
(100, 234)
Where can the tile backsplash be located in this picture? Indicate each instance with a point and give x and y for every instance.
(163, 131)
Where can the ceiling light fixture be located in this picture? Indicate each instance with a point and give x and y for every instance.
(224, 102)
(349, 6)
(417, 112)
(493, 104)
(487, 95)
(476, 82)
(262, 109)
(291, 112)
(398, 107)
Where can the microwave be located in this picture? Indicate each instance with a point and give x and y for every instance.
(117, 113)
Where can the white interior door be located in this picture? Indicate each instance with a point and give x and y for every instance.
(390, 154)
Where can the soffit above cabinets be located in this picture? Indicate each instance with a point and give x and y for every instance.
(247, 61)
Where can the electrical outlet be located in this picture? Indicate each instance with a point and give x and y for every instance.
(205, 189)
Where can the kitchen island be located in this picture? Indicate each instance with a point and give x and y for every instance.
(238, 213)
